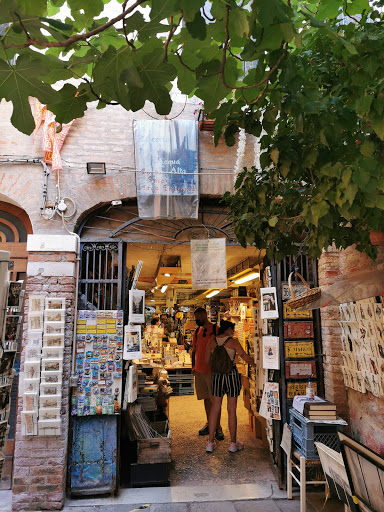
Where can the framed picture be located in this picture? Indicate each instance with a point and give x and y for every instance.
(49, 402)
(53, 340)
(268, 303)
(132, 342)
(15, 295)
(53, 327)
(52, 352)
(31, 369)
(54, 315)
(50, 389)
(29, 423)
(136, 306)
(35, 338)
(35, 321)
(271, 352)
(30, 401)
(31, 385)
(51, 365)
(51, 377)
(32, 353)
(6, 363)
(12, 328)
(55, 303)
(52, 413)
(36, 303)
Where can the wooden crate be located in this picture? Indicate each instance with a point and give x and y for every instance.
(156, 449)
(295, 330)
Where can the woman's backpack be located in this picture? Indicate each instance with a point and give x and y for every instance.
(220, 360)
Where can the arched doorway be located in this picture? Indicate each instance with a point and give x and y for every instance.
(113, 240)
(15, 226)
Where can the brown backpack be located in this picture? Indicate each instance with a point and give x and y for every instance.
(220, 360)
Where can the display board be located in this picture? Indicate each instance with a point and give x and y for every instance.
(98, 363)
(43, 366)
(362, 337)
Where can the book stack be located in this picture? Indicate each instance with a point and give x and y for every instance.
(315, 409)
(324, 410)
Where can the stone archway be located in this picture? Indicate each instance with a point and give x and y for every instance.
(15, 226)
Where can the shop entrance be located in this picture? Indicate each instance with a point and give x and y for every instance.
(114, 240)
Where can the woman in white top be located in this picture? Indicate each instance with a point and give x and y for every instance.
(226, 384)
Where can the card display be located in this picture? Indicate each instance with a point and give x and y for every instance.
(362, 337)
(43, 367)
(98, 363)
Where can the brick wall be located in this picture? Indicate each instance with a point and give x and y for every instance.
(364, 413)
(41, 462)
(100, 136)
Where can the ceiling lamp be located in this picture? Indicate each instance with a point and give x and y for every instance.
(167, 275)
(247, 277)
(152, 300)
(163, 288)
(212, 294)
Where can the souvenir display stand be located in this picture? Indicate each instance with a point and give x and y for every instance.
(11, 310)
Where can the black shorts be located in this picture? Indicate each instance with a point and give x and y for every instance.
(226, 384)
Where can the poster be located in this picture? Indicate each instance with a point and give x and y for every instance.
(208, 263)
(167, 175)
(268, 303)
(132, 342)
(136, 306)
(98, 364)
(270, 402)
(271, 352)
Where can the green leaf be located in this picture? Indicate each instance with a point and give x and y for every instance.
(67, 105)
(370, 64)
(190, 7)
(162, 9)
(378, 126)
(275, 155)
(197, 28)
(57, 24)
(92, 8)
(211, 90)
(17, 83)
(238, 26)
(367, 148)
(154, 75)
(319, 210)
(328, 9)
(363, 105)
(273, 221)
(34, 8)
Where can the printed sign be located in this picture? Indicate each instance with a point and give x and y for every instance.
(298, 330)
(208, 263)
(299, 349)
(291, 313)
(300, 369)
(167, 175)
(297, 388)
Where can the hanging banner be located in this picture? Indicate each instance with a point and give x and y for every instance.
(167, 169)
(208, 262)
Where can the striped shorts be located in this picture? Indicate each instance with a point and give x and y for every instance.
(226, 384)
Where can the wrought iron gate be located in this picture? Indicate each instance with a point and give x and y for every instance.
(101, 275)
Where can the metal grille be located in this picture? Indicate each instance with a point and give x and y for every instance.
(101, 275)
(305, 265)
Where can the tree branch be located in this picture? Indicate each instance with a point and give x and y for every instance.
(22, 26)
(194, 70)
(125, 30)
(171, 32)
(77, 37)
(206, 15)
(97, 96)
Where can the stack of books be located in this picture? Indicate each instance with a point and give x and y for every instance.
(316, 409)
(320, 410)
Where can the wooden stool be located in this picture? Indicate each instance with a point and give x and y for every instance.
(301, 478)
